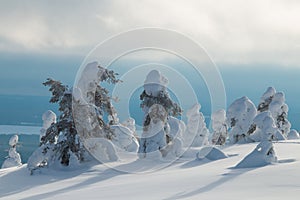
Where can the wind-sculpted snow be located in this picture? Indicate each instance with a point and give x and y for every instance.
(262, 155)
(211, 153)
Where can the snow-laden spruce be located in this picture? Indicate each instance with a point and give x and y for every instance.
(61, 144)
(240, 115)
(157, 107)
(91, 104)
(275, 103)
(196, 133)
(219, 126)
(14, 158)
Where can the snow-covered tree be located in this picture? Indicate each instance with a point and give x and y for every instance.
(219, 127)
(240, 115)
(275, 103)
(154, 137)
(196, 133)
(157, 106)
(265, 128)
(14, 158)
(279, 110)
(61, 142)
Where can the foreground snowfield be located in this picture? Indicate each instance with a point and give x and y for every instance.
(187, 178)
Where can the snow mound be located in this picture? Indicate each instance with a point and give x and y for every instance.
(262, 155)
(293, 134)
(102, 149)
(211, 153)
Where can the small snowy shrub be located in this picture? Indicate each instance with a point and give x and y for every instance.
(196, 133)
(219, 127)
(211, 153)
(14, 158)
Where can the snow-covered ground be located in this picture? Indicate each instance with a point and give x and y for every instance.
(187, 178)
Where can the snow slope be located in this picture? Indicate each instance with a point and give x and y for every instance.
(187, 178)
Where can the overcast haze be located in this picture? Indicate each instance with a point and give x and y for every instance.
(234, 32)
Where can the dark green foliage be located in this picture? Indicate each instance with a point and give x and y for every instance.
(163, 99)
(263, 106)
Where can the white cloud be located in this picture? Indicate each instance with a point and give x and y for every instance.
(231, 31)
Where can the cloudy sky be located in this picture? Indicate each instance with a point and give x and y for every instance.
(233, 32)
(255, 43)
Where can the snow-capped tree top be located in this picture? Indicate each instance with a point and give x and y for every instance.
(13, 140)
(277, 106)
(270, 92)
(193, 111)
(264, 120)
(155, 82)
(243, 110)
(219, 116)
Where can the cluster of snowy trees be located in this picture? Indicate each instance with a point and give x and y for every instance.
(94, 129)
(266, 122)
